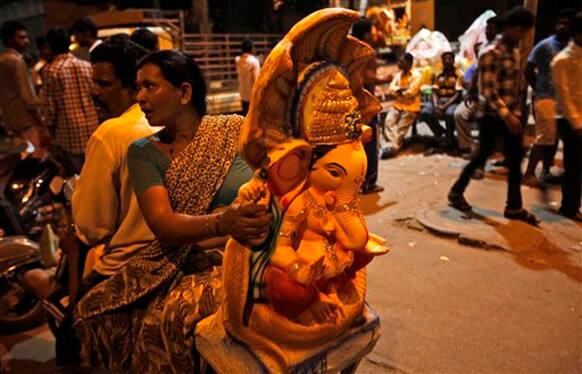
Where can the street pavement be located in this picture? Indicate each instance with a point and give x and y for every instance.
(471, 293)
(456, 293)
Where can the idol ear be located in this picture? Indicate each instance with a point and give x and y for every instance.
(289, 166)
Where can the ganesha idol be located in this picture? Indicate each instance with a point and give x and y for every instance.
(304, 284)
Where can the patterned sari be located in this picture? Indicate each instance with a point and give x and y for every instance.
(142, 319)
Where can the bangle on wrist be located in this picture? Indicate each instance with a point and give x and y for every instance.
(217, 224)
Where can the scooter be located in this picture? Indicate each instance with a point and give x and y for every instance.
(31, 203)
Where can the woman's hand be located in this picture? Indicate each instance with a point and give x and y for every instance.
(245, 223)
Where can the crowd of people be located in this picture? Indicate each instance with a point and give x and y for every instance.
(132, 121)
(490, 96)
(48, 102)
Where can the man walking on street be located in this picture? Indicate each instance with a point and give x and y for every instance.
(499, 104)
(537, 73)
(18, 101)
(566, 73)
(66, 102)
(467, 109)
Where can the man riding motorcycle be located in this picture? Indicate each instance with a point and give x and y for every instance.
(105, 209)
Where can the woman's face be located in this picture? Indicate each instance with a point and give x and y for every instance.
(159, 99)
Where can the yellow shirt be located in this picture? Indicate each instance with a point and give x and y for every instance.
(105, 208)
(406, 88)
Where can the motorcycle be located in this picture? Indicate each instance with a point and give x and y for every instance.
(31, 204)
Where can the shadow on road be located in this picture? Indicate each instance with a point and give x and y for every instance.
(532, 249)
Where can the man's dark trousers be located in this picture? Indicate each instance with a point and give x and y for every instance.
(572, 179)
(492, 126)
(371, 149)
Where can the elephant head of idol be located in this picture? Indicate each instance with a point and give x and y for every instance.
(326, 115)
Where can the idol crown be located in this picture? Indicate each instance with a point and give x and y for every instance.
(330, 114)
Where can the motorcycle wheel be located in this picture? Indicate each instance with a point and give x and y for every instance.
(20, 310)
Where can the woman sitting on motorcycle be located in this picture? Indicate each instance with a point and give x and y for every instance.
(186, 177)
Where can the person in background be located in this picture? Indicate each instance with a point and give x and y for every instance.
(362, 30)
(146, 39)
(465, 112)
(67, 108)
(18, 101)
(446, 92)
(566, 71)
(405, 87)
(85, 32)
(538, 75)
(499, 104)
(247, 70)
(493, 28)
(467, 109)
(46, 56)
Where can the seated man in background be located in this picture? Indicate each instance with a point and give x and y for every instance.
(446, 92)
(467, 108)
(405, 88)
(465, 116)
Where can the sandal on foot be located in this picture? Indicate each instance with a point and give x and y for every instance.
(457, 201)
(522, 215)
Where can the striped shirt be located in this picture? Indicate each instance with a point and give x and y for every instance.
(66, 102)
(499, 79)
(447, 84)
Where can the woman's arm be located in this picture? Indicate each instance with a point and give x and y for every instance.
(242, 223)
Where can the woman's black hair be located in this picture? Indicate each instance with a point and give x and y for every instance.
(123, 55)
(178, 68)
